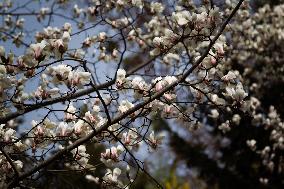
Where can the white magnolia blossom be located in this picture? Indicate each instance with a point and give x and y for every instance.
(63, 129)
(139, 86)
(236, 119)
(236, 92)
(2, 51)
(137, 3)
(124, 106)
(79, 78)
(81, 156)
(161, 83)
(70, 111)
(229, 76)
(217, 100)
(66, 37)
(19, 164)
(156, 140)
(225, 127)
(157, 7)
(38, 49)
(182, 17)
(171, 57)
(121, 77)
(9, 135)
(3, 71)
(42, 93)
(80, 127)
(112, 154)
(214, 114)
(60, 72)
(129, 138)
(91, 178)
(102, 36)
(251, 144)
(112, 176)
(219, 49)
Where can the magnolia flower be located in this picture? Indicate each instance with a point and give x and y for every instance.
(251, 144)
(112, 176)
(112, 153)
(66, 37)
(79, 78)
(170, 96)
(236, 93)
(120, 77)
(139, 84)
(236, 119)
(67, 27)
(77, 11)
(225, 127)
(20, 146)
(92, 11)
(9, 135)
(129, 137)
(220, 49)
(156, 7)
(2, 51)
(217, 100)
(200, 20)
(39, 129)
(62, 129)
(69, 115)
(19, 165)
(80, 155)
(60, 72)
(49, 124)
(43, 11)
(170, 57)
(170, 79)
(114, 53)
(214, 114)
(168, 109)
(158, 42)
(155, 140)
(91, 178)
(87, 43)
(79, 54)
(78, 127)
(43, 93)
(38, 49)
(2, 71)
(182, 18)
(213, 60)
(124, 106)
(60, 47)
(102, 37)
(121, 2)
(20, 23)
(121, 73)
(137, 3)
(160, 82)
(229, 76)
(93, 118)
